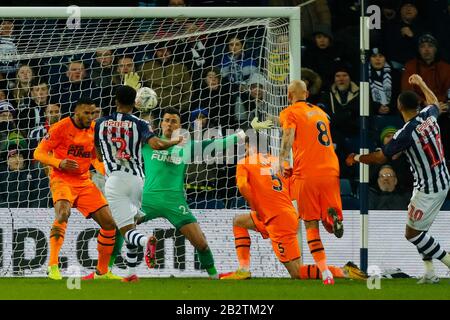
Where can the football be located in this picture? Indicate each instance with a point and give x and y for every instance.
(146, 99)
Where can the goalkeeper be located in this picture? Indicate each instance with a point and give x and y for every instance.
(163, 194)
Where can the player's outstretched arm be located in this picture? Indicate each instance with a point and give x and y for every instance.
(159, 144)
(377, 157)
(430, 97)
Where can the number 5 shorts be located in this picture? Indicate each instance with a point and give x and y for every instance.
(169, 205)
(124, 193)
(423, 209)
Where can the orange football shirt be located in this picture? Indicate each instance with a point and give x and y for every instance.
(313, 148)
(270, 192)
(66, 141)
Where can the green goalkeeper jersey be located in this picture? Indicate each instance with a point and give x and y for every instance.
(165, 169)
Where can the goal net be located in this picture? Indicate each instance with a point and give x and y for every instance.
(219, 73)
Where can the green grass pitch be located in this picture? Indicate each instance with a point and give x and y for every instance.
(205, 289)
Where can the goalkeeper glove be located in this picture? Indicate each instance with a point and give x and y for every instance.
(132, 79)
(257, 125)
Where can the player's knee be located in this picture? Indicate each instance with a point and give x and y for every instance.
(63, 215)
(108, 225)
(202, 246)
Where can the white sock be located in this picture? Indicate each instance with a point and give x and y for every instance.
(446, 260)
(327, 274)
(429, 267)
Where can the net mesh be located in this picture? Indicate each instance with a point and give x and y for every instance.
(220, 74)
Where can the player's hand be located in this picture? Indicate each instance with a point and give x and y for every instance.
(68, 165)
(132, 79)
(258, 125)
(350, 161)
(415, 79)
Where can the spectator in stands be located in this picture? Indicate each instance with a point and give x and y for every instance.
(8, 130)
(7, 48)
(125, 65)
(31, 115)
(341, 103)
(52, 115)
(313, 14)
(21, 187)
(250, 102)
(323, 56)
(313, 83)
(433, 70)
(400, 36)
(21, 86)
(384, 82)
(195, 52)
(236, 65)
(170, 80)
(387, 196)
(102, 69)
(214, 96)
(72, 86)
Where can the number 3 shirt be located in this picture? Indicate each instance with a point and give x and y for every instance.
(420, 139)
(270, 191)
(313, 148)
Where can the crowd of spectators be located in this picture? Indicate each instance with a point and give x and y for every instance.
(218, 81)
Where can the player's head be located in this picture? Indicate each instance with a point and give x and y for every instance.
(125, 97)
(408, 101)
(84, 112)
(297, 91)
(171, 121)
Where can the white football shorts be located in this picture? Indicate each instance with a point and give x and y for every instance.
(124, 194)
(423, 209)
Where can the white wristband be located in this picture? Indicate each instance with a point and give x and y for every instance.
(356, 157)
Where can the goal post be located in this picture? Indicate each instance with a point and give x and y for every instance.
(74, 51)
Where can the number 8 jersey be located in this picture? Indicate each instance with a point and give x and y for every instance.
(120, 137)
(313, 148)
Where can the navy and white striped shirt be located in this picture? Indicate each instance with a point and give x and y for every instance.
(420, 138)
(120, 137)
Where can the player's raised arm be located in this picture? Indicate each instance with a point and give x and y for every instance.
(430, 97)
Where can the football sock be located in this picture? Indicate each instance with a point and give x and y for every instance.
(117, 248)
(57, 233)
(207, 261)
(105, 246)
(131, 258)
(242, 243)
(136, 238)
(430, 248)
(311, 271)
(316, 248)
